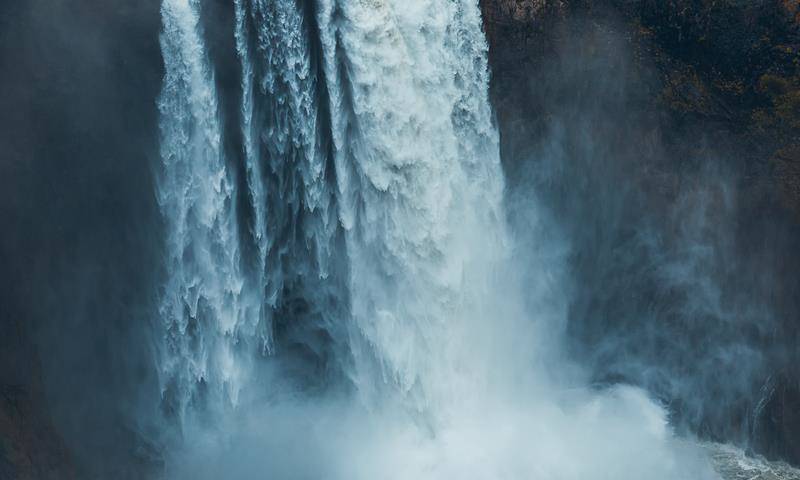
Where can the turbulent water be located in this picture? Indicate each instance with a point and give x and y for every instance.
(341, 297)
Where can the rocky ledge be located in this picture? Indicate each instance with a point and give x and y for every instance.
(733, 464)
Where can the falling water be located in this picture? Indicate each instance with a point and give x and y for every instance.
(374, 206)
(419, 187)
(205, 306)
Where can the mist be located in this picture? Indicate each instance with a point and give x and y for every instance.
(677, 262)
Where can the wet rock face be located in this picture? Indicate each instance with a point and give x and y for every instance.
(728, 64)
(78, 243)
(30, 449)
(733, 464)
(779, 419)
(745, 55)
(516, 10)
(655, 130)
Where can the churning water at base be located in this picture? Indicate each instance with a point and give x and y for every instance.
(357, 313)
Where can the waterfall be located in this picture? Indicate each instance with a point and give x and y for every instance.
(417, 172)
(286, 154)
(205, 307)
(420, 188)
(383, 272)
(218, 306)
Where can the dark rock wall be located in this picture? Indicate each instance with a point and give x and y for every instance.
(662, 139)
(79, 243)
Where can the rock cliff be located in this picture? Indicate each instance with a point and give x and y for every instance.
(670, 130)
